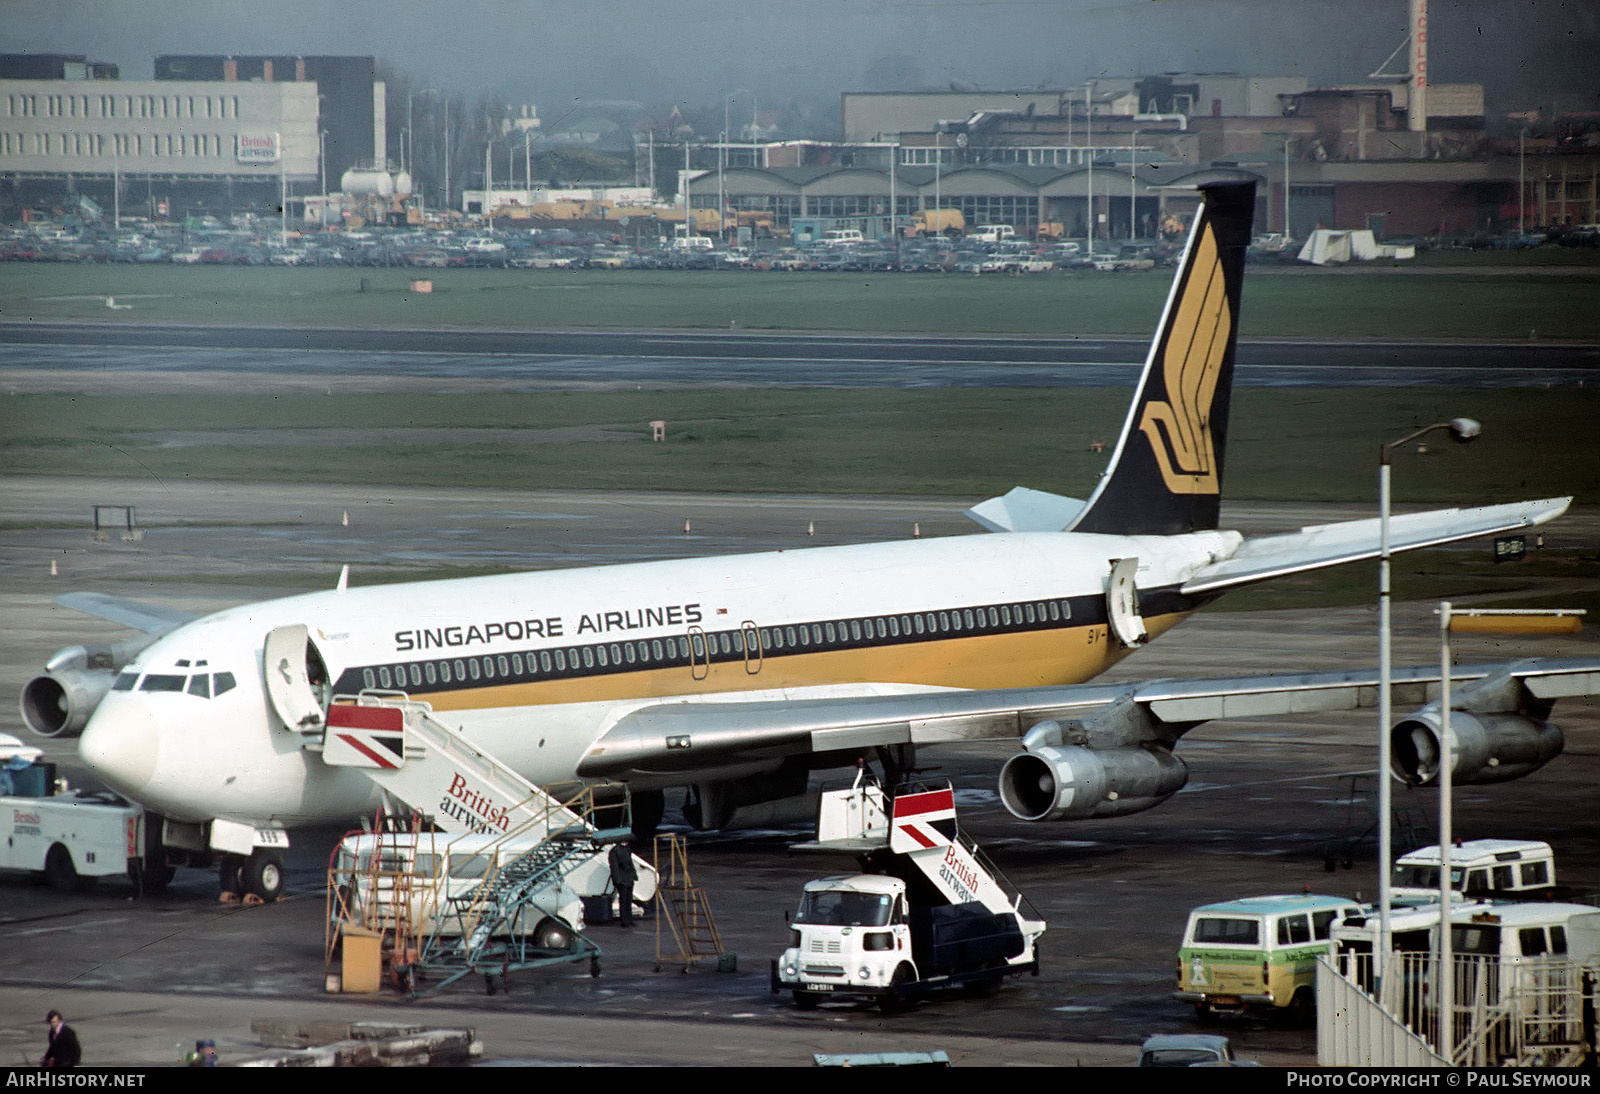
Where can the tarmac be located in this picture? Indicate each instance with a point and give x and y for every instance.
(141, 980)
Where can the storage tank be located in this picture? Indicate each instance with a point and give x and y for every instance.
(369, 182)
(402, 184)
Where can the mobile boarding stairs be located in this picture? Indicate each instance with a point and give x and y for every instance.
(523, 914)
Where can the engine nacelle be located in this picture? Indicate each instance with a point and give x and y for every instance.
(1069, 782)
(1485, 748)
(58, 704)
(75, 679)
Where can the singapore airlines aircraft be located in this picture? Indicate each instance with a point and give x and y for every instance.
(739, 676)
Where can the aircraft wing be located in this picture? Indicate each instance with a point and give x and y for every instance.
(1312, 548)
(149, 618)
(672, 738)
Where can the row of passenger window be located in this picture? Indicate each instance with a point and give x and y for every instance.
(204, 685)
(749, 643)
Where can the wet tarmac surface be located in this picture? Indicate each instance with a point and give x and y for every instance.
(1263, 802)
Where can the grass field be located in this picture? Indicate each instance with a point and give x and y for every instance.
(1309, 444)
(1499, 303)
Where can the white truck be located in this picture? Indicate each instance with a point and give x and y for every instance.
(932, 914)
(69, 837)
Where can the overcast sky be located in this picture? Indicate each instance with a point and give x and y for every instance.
(696, 51)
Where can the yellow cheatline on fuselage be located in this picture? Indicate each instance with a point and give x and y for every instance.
(1065, 655)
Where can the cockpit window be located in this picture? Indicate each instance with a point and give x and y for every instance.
(202, 685)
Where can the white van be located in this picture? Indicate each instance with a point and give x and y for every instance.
(1258, 953)
(842, 237)
(1479, 869)
(993, 233)
(1528, 932)
(1520, 935)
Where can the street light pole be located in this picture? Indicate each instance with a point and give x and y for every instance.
(1287, 141)
(1447, 986)
(1088, 143)
(1133, 186)
(1522, 192)
(1461, 431)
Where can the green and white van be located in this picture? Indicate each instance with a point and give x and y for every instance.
(1259, 953)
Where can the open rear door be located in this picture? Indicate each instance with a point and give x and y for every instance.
(1122, 603)
(285, 665)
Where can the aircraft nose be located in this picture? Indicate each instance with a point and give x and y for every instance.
(120, 746)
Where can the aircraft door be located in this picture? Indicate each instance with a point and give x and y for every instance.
(1122, 603)
(295, 677)
(752, 646)
(699, 654)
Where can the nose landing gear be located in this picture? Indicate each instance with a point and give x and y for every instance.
(256, 879)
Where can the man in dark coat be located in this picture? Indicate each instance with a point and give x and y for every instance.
(62, 1049)
(623, 875)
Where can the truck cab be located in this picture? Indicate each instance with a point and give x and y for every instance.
(851, 936)
(936, 915)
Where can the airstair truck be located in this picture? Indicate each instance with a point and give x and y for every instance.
(933, 914)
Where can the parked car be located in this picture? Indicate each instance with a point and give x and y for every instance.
(1189, 1050)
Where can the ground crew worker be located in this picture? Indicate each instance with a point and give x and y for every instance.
(623, 875)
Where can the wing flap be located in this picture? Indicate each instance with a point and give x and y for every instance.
(1312, 548)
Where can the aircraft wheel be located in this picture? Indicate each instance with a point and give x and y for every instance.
(262, 875)
(59, 871)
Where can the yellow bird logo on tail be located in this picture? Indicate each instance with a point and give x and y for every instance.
(1179, 429)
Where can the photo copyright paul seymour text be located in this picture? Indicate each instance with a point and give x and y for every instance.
(1441, 1079)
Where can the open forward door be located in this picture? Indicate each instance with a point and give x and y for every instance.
(289, 662)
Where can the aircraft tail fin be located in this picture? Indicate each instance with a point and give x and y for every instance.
(1165, 477)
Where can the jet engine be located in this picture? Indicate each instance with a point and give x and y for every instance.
(58, 702)
(1485, 748)
(1070, 782)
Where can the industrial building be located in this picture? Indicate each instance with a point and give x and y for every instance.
(1110, 152)
(209, 134)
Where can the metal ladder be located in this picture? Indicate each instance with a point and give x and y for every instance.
(686, 931)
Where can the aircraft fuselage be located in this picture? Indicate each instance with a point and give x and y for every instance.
(535, 667)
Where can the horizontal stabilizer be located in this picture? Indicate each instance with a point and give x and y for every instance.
(1312, 548)
(149, 618)
(1025, 510)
